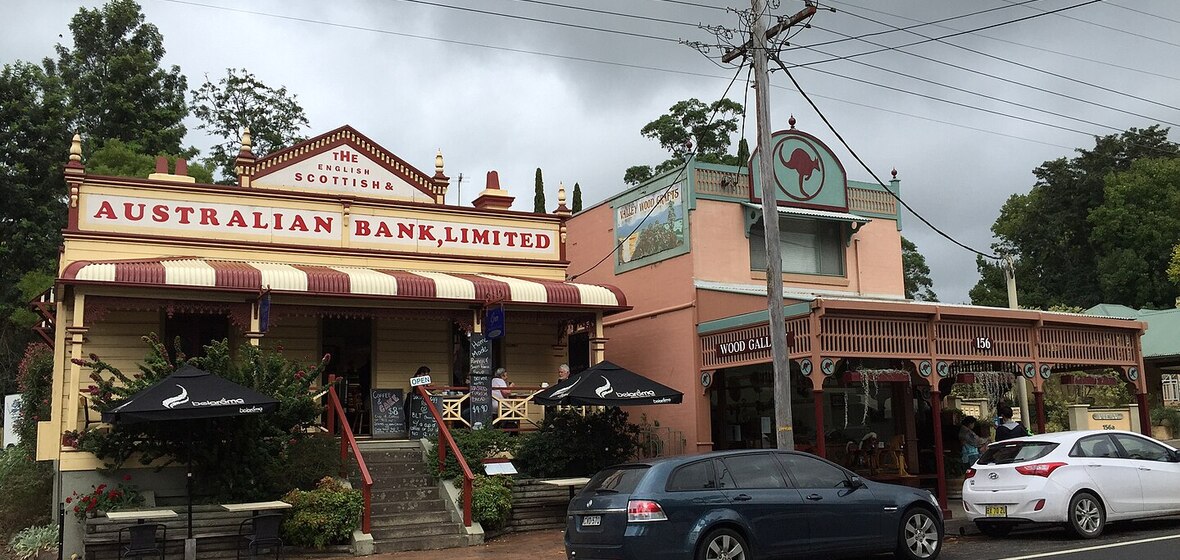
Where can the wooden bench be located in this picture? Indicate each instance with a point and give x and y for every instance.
(214, 528)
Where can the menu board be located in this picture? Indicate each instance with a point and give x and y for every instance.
(422, 422)
(387, 407)
(480, 381)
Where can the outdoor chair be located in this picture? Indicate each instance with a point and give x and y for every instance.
(141, 541)
(264, 534)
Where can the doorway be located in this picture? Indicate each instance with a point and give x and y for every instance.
(350, 342)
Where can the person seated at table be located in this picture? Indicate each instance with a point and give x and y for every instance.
(500, 384)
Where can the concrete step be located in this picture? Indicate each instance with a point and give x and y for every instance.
(396, 482)
(415, 506)
(403, 467)
(424, 543)
(417, 530)
(405, 494)
(389, 520)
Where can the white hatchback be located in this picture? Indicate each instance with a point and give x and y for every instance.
(1079, 479)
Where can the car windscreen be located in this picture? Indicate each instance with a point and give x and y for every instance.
(617, 480)
(1015, 452)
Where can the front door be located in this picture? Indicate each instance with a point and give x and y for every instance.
(349, 341)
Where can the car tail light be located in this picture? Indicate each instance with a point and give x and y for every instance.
(639, 511)
(1039, 469)
(970, 473)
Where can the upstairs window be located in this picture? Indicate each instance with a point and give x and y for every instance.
(806, 246)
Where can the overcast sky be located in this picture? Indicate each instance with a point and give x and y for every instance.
(511, 94)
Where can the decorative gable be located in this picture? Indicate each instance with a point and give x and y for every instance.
(345, 162)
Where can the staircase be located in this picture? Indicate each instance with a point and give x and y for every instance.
(409, 509)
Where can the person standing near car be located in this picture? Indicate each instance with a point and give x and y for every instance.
(970, 441)
(1008, 427)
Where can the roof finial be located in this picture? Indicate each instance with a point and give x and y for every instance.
(438, 162)
(246, 143)
(791, 121)
(894, 172)
(562, 209)
(76, 149)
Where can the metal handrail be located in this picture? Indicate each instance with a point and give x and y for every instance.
(347, 439)
(445, 437)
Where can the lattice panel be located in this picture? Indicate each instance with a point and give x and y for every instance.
(982, 341)
(721, 183)
(867, 336)
(877, 202)
(1087, 346)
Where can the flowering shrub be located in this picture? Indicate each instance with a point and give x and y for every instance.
(253, 445)
(327, 515)
(105, 498)
(35, 379)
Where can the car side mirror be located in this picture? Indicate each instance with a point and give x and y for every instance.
(1174, 456)
(855, 482)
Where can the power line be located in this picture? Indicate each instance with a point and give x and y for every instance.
(544, 21)
(1111, 28)
(608, 12)
(694, 4)
(673, 183)
(1009, 41)
(919, 24)
(956, 34)
(871, 172)
(1015, 63)
(1130, 9)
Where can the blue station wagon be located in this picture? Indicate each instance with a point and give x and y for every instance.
(747, 505)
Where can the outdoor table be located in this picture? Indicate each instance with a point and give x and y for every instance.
(141, 515)
(567, 482)
(256, 507)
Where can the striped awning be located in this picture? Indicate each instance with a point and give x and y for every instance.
(342, 280)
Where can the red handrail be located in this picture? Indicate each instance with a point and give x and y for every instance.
(445, 436)
(347, 439)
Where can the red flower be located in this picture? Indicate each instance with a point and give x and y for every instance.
(300, 375)
(126, 477)
(75, 509)
(68, 500)
(100, 488)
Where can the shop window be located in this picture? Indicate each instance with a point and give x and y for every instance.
(806, 246)
(194, 332)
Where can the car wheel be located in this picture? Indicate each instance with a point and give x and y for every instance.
(993, 529)
(723, 544)
(919, 536)
(1087, 517)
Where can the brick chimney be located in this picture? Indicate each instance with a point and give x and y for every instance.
(493, 197)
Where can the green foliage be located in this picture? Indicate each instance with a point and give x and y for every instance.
(1065, 251)
(491, 500)
(33, 540)
(918, 285)
(104, 498)
(576, 205)
(115, 81)
(688, 124)
(323, 516)
(254, 445)
(539, 194)
(307, 460)
(28, 492)
(35, 379)
(1134, 232)
(475, 445)
(240, 100)
(1166, 416)
(126, 159)
(569, 444)
(1059, 397)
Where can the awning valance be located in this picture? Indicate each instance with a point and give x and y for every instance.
(753, 213)
(342, 280)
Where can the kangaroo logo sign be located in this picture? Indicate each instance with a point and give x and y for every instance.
(806, 173)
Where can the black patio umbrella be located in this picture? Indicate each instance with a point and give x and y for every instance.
(189, 394)
(607, 384)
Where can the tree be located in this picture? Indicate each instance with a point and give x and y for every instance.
(687, 124)
(34, 144)
(1049, 232)
(539, 194)
(240, 100)
(1134, 231)
(577, 201)
(918, 285)
(115, 81)
(123, 159)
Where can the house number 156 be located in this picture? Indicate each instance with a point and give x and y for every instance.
(983, 343)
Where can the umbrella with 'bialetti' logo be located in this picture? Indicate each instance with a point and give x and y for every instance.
(190, 394)
(607, 384)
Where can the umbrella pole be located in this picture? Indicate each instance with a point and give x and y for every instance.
(189, 482)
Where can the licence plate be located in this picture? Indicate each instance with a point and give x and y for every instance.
(591, 520)
(995, 511)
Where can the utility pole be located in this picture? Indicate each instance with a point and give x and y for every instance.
(1021, 385)
(759, 39)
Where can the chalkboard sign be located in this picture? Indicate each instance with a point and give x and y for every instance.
(422, 423)
(480, 382)
(387, 407)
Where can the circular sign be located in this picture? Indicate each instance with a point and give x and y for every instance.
(924, 369)
(1046, 371)
(1133, 373)
(827, 366)
(1030, 371)
(706, 379)
(805, 366)
(800, 173)
(944, 369)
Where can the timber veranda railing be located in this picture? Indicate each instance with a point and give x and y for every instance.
(348, 441)
(445, 442)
